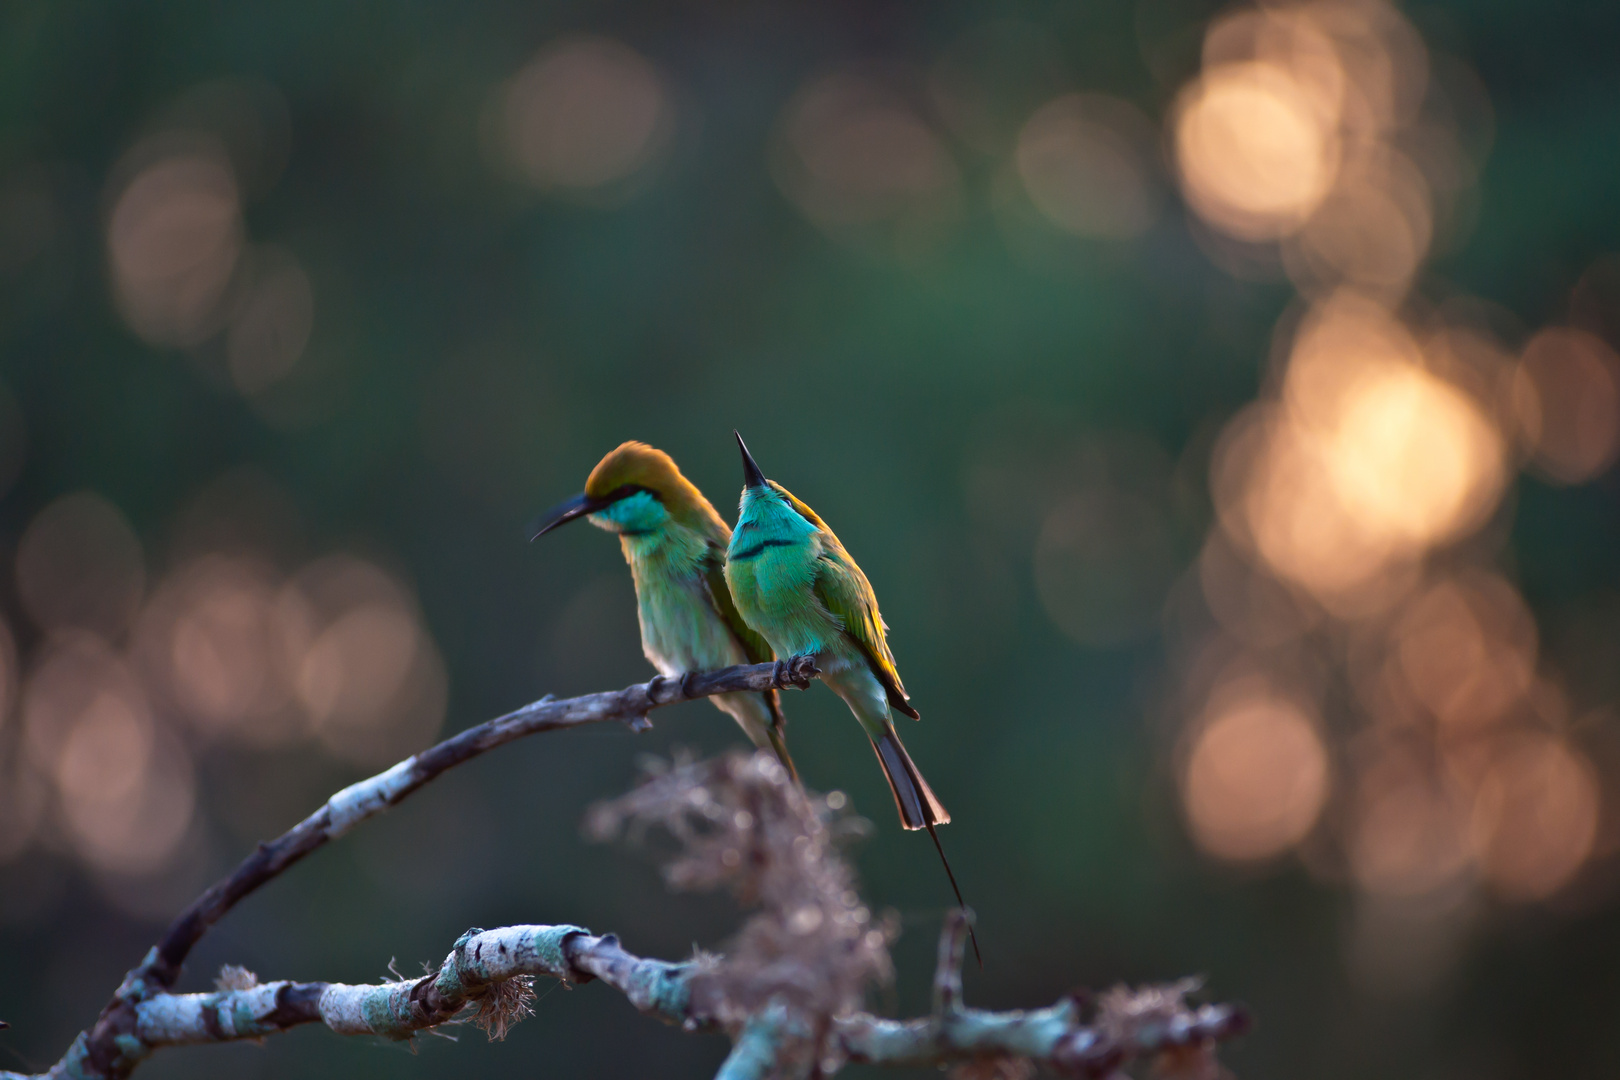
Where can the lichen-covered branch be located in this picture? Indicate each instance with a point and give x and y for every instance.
(1154, 1022)
(481, 969)
(487, 970)
(105, 1050)
(789, 991)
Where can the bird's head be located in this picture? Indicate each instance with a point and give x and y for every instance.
(635, 489)
(769, 508)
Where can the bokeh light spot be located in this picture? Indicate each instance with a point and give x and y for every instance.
(367, 673)
(138, 828)
(1570, 401)
(854, 156)
(124, 785)
(1536, 816)
(986, 83)
(1413, 457)
(213, 640)
(1081, 162)
(79, 564)
(1256, 778)
(585, 113)
(1373, 231)
(106, 753)
(1467, 650)
(1409, 829)
(357, 665)
(1256, 152)
(1372, 460)
(173, 242)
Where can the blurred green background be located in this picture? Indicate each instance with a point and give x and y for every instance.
(307, 308)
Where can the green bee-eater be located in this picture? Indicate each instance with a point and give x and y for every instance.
(675, 543)
(794, 583)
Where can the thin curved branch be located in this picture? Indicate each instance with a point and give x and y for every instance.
(105, 1049)
(483, 960)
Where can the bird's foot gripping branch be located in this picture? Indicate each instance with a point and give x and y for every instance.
(788, 990)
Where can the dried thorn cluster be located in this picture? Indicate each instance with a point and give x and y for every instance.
(235, 977)
(812, 948)
(503, 1005)
(1161, 1016)
(1153, 1024)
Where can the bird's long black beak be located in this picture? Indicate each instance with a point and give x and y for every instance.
(563, 513)
(752, 477)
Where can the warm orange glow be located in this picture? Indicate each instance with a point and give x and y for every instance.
(1255, 779)
(1291, 39)
(212, 639)
(1372, 460)
(1081, 162)
(106, 753)
(75, 671)
(1467, 650)
(1409, 833)
(853, 155)
(586, 113)
(367, 674)
(1569, 400)
(1535, 816)
(79, 564)
(1385, 63)
(137, 826)
(1250, 603)
(1286, 506)
(125, 787)
(1413, 457)
(357, 665)
(1338, 342)
(1388, 434)
(1256, 150)
(1373, 231)
(173, 241)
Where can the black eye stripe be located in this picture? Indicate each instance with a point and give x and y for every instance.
(624, 491)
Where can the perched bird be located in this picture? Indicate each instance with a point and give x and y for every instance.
(675, 543)
(794, 583)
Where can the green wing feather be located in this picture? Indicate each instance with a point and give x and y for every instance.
(754, 646)
(844, 591)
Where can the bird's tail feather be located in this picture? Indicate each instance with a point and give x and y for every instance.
(776, 731)
(779, 744)
(915, 800)
(919, 808)
(934, 836)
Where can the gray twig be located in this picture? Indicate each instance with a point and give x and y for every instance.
(948, 971)
(780, 1023)
(109, 1049)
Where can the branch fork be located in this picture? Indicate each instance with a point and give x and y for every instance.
(491, 971)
